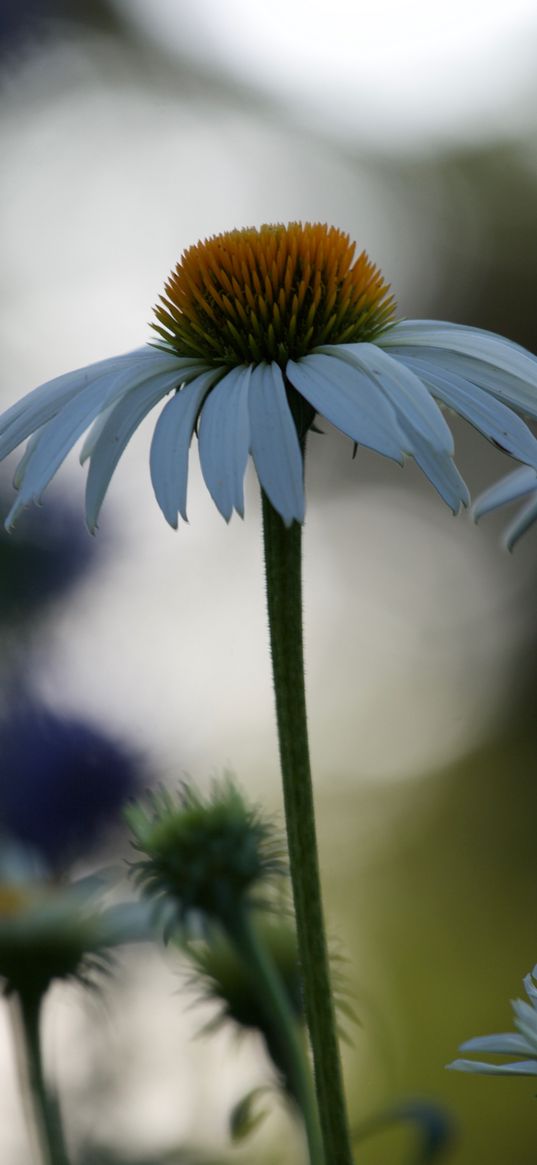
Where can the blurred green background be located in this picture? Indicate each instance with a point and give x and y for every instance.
(128, 131)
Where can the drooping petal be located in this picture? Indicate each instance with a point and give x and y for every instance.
(40, 405)
(406, 393)
(504, 1044)
(487, 414)
(516, 485)
(474, 342)
(521, 1068)
(497, 365)
(524, 519)
(274, 443)
(43, 403)
(526, 1020)
(531, 987)
(440, 470)
(349, 398)
(521, 483)
(171, 443)
(224, 441)
(121, 423)
(18, 476)
(93, 435)
(56, 438)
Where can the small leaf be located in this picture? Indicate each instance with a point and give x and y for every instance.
(244, 1119)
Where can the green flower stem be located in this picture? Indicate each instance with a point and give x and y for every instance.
(42, 1108)
(283, 564)
(282, 1025)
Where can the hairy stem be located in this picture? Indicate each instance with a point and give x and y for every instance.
(282, 1025)
(283, 563)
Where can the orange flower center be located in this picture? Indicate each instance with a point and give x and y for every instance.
(271, 294)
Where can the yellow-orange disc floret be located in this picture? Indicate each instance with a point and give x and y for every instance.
(272, 294)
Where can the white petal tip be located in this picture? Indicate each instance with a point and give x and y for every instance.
(14, 513)
(289, 521)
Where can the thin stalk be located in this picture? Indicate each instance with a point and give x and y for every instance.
(42, 1109)
(282, 1025)
(283, 564)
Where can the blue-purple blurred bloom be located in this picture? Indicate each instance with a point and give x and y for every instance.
(62, 782)
(46, 556)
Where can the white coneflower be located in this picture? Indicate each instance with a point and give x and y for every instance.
(261, 331)
(523, 1042)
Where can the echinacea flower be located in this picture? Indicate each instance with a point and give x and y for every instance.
(259, 332)
(522, 483)
(523, 1042)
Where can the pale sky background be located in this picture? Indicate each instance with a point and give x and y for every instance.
(390, 73)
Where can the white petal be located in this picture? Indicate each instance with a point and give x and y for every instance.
(224, 441)
(526, 1020)
(521, 1068)
(349, 398)
(18, 476)
(531, 987)
(56, 438)
(274, 443)
(120, 425)
(410, 398)
(441, 472)
(94, 434)
(39, 406)
(508, 489)
(524, 519)
(505, 1044)
(474, 342)
(185, 366)
(497, 422)
(171, 443)
(495, 364)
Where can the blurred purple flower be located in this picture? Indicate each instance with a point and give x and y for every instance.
(62, 782)
(35, 22)
(47, 555)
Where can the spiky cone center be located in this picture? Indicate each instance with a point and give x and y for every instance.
(271, 294)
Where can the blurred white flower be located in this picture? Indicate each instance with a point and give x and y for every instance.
(52, 930)
(522, 483)
(261, 331)
(523, 1042)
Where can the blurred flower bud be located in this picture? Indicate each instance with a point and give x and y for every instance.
(222, 975)
(203, 856)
